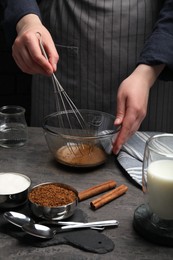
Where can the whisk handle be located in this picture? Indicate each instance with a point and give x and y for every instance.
(43, 50)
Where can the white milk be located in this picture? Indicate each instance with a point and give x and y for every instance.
(11, 183)
(160, 188)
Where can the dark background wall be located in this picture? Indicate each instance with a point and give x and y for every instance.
(15, 86)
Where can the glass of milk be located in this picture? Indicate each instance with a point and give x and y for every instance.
(158, 179)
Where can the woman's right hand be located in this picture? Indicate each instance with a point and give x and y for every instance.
(26, 49)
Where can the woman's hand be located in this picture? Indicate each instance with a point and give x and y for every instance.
(132, 101)
(26, 49)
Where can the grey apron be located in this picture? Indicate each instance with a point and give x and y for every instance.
(98, 42)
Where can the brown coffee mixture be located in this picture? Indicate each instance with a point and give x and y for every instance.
(52, 195)
(82, 155)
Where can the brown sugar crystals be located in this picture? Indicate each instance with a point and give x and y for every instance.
(52, 195)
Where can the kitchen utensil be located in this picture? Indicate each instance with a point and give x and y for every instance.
(19, 220)
(29, 226)
(104, 223)
(69, 223)
(54, 194)
(38, 230)
(102, 132)
(72, 124)
(64, 104)
(16, 218)
(43, 231)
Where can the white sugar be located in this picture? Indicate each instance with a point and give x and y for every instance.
(11, 183)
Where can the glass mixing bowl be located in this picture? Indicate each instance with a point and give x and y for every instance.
(80, 142)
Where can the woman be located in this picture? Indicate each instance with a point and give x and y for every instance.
(98, 44)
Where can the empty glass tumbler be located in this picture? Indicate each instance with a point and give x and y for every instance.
(13, 126)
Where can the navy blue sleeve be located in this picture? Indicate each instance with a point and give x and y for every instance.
(14, 11)
(159, 46)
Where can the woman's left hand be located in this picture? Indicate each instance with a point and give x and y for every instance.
(132, 101)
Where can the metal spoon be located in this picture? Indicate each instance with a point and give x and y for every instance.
(39, 230)
(104, 223)
(28, 225)
(69, 223)
(18, 219)
(43, 231)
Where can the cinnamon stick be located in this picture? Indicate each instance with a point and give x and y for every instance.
(92, 191)
(109, 196)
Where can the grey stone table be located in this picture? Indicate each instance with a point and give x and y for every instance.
(35, 160)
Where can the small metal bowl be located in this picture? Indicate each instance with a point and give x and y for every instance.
(14, 189)
(45, 208)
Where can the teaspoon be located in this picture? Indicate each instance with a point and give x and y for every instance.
(39, 230)
(43, 231)
(28, 225)
(18, 219)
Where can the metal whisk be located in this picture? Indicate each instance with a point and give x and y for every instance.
(68, 111)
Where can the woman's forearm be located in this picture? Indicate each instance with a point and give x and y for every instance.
(27, 20)
(148, 73)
